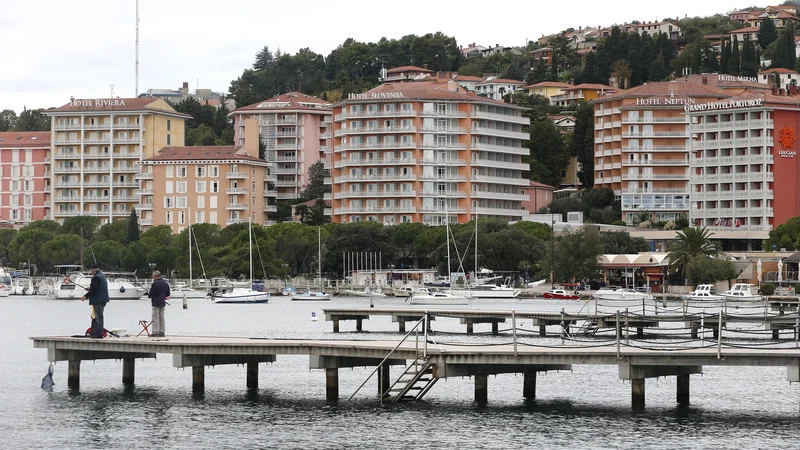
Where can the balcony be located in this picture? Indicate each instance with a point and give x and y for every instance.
(656, 148)
(286, 183)
(237, 191)
(123, 184)
(325, 148)
(235, 221)
(294, 147)
(67, 126)
(270, 208)
(125, 199)
(523, 151)
(134, 155)
(350, 162)
(375, 194)
(146, 222)
(657, 134)
(67, 213)
(655, 176)
(285, 171)
(374, 130)
(676, 119)
(98, 140)
(66, 170)
(658, 191)
(444, 146)
(483, 211)
(369, 178)
(67, 141)
(144, 207)
(143, 192)
(442, 209)
(66, 155)
(97, 126)
(501, 117)
(493, 163)
(501, 180)
(377, 145)
(378, 113)
(657, 162)
(443, 130)
(447, 113)
(286, 196)
(443, 177)
(443, 162)
(499, 195)
(444, 193)
(236, 175)
(126, 126)
(376, 209)
(75, 199)
(502, 133)
(144, 176)
(90, 199)
(237, 206)
(272, 122)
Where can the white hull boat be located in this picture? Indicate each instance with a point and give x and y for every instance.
(367, 292)
(704, 292)
(403, 291)
(5, 291)
(621, 294)
(488, 292)
(117, 289)
(313, 296)
(22, 286)
(743, 292)
(424, 296)
(242, 295)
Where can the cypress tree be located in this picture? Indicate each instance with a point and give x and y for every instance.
(725, 56)
(696, 57)
(133, 227)
(733, 63)
(767, 33)
(791, 58)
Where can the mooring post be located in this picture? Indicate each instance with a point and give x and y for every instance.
(481, 388)
(198, 379)
(74, 374)
(637, 392)
(495, 328)
(627, 329)
(384, 380)
(797, 328)
(401, 326)
(185, 302)
(470, 327)
(359, 325)
(332, 384)
(335, 326)
(252, 375)
(529, 384)
(683, 389)
(128, 369)
(694, 328)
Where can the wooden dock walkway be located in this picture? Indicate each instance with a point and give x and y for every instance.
(429, 361)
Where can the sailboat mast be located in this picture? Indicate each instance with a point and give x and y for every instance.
(447, 228)
(319, 258)
(190, 248)
(250, 244)
(475, 281)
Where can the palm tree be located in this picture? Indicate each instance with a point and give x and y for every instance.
(689, 244)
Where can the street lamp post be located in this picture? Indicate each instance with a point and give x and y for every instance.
(152, 266)
(285, 275)
(553, 250)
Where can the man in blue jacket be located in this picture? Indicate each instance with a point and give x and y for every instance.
(98, 297)
(159, 294)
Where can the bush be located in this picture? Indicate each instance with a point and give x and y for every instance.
(645, 224)
(669, 225)
(681, 223)
(660, 224)
(797, 288)
(767, 288)
(621, 223)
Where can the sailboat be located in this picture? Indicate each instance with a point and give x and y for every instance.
(182, 289)
(310, 295)
(424, 296)
(244, 294)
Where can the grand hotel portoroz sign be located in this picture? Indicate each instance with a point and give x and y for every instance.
(97, 102)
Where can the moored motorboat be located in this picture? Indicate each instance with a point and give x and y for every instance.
(621, 294)
(743, 292)
(561, 294)
(705, 292)
(241, 295)
(402, 291)
(488, 291)
(76, 285)
(369, 291)
(182, 289)
(424, 296)
(22, 285)
(312, 296)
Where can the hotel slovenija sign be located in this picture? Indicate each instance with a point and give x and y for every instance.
(374, 95)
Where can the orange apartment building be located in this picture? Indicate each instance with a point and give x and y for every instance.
(418, 151)
(642, 147)
(24, 176)
(296, 130)
(95, 146)
(221, 185)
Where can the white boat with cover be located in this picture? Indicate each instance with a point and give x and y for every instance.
(76, 285)
(743, 292)
(425, 296)
(22, 285)
(704, 292)
(621, 294)
(5, 283)
(182, 289)
(243, 294)
(369, 291)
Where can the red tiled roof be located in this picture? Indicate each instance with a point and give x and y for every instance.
(408, 69)
(503, 81)
(429, 91)
(107, 104)
(289, 100)
(467, 78)
(24, 139)
(778, 70)
(745, 30)
(665, 88)
(594, 86)
(203, 153)
(555, 84)
(541, 185)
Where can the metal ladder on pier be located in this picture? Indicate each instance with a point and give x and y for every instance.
(414, 382)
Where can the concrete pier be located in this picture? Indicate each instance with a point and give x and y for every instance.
(529, 385)
(198, 379)
(683, 389)
(384, 380)
(128, 370)
(481, 388)
(332, 384)
(74, 374)
(252, 375)
(637, 393)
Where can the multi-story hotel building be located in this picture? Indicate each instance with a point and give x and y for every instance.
(745, 172)
(642, 147)
(296, 129)
(219, 184)
(24, 176)
(95, 146)
(414, 152)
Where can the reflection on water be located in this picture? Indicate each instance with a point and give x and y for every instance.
(587, 407)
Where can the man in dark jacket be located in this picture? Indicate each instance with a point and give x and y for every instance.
(159, 294)
(98, 297)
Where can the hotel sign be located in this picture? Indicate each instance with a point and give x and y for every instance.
(787, 140)
(724, 105)
(737, 78)
(374, 95)
(97, 102)
(665, 101)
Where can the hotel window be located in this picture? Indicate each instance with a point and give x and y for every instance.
(169, 141)
(200, 188)
(182, 171)
(169, 202)
(199, 217)
(170, 171)
(169, 217)
(212, 202)
(182, 217)
(406, 106)
(201, 172)
(28, 214)
(215, 186)
(169, 187)
(212, 217)
(169, 127)
(180, 187)
(213, 171)
(180, 202)
(201, 202)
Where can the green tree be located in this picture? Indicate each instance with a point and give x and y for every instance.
(116, 230)
(786, 235)
(201, 136)
(535, 229)
(315, 215)
(357, 237)
(32, 120)
(734, 63)
(263, 59)
(315, 189)
(725, 56)
(577, 254)
(61, 249)
(8, 120)
(107, 254)
(50, 226)
(262, 148)
(622, 243)
(690, 243)
(548, 153)
(7, 235)
(28, 245)
(160, 235)
(767, 33)
(706, 270)
(133, 227)
(658, 70)
(582, 145)
(85, 226)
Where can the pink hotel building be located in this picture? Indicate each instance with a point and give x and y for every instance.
(296, 130)
(24, 176)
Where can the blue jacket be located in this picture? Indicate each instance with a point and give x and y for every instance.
(98, 289)
(159, 291)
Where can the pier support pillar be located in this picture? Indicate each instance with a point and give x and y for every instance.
(74, 374)
(198, 379)
(637, 392)
(776, 334)
(694, 328)
(128, 370)
(470, 328)
(715, 332)
(332, 384)
(335, 326)
(359, 325)
(384, 380)
(495, 328)
(542, 330)
(639, 332)
(481, 388)
(252, 375)
(401, 326)
(529, 385)
(683, 389)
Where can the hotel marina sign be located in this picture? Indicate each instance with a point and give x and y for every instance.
(374, 95)
(97, 102)
(724, 105)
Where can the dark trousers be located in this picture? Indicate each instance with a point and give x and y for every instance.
(97, 323)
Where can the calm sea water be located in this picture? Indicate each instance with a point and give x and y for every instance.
(588, 407)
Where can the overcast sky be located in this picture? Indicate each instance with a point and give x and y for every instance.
(56, 49)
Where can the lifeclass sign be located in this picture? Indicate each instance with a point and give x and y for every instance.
(724, 105)
(374, 95)
(97, 102)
